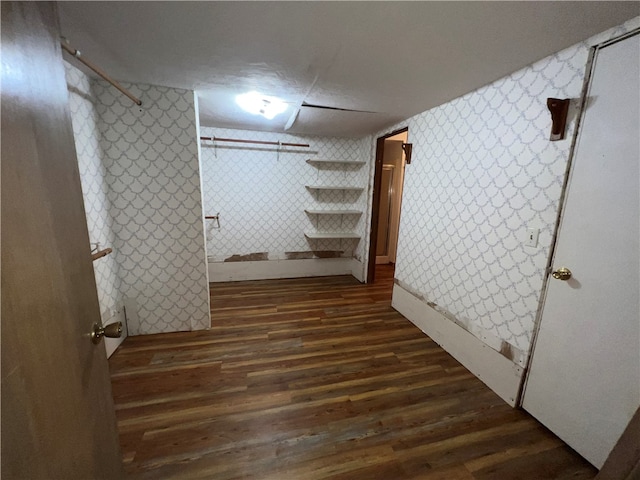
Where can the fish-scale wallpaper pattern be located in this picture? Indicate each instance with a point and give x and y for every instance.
(151, 156)
(94, 189)
(483, 172)
(261, 196)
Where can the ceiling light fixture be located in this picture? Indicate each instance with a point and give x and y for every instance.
(258, 104)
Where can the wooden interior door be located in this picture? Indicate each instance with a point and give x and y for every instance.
(58, 419)
(584, 379)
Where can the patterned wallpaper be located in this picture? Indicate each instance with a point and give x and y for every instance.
(261, 196)
(152, 165)
(483, 172)
(94, 189)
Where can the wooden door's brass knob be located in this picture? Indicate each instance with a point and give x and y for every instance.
(563, 273)
(113, 330)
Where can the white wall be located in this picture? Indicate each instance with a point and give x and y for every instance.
(151, 159)
(141, 182)
(261, 196)
(484, 171)
(96, 202)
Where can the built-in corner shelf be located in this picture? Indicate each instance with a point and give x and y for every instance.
(334, 187)
(333, 212)
(330, 164)
(337, 163)
(331, 235)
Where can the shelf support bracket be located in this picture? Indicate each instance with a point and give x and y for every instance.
(559, 110)
(408, 148)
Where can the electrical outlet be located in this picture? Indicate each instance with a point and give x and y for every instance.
(532, 237)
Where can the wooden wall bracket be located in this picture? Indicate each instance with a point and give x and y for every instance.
(559, 110)
(408, 148)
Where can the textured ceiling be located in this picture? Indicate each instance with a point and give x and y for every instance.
(392, 58)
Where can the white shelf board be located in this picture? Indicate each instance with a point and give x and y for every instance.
(333, 187)
(334, 212)
(319, 161)
(320, 235)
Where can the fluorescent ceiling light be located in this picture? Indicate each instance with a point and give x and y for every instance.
(258, 104)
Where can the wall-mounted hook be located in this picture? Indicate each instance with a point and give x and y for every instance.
(559, 110)
(215, 218)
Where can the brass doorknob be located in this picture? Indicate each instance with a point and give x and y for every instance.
(563, 273)
(113, 330)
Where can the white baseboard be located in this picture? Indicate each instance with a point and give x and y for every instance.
(499, 373)
(269, 269)
(111, 344)
(358, 270)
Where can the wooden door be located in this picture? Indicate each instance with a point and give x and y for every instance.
(58, 419)
(584, 380)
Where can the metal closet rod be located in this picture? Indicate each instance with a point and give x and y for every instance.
(257, 142)
(76, 53)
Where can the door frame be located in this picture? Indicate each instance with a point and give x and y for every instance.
(390, 168)
(562, 201)
(375, 203)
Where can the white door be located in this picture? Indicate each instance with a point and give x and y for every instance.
(584, 379)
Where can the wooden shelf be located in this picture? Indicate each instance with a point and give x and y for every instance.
(333, 187)
(341, 163)
(326, 235)
(334, 212)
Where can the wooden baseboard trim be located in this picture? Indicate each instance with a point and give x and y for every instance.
(272, 269)
(358, 270)
(499, 373)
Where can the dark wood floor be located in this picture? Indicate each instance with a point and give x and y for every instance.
(318, 379)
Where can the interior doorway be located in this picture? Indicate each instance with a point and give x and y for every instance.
(387, 201)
